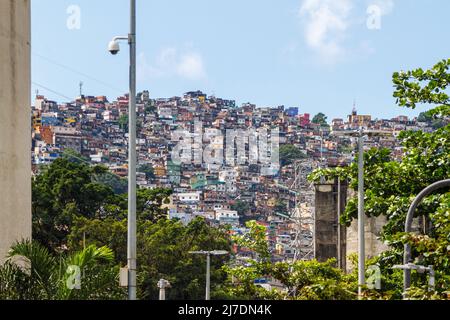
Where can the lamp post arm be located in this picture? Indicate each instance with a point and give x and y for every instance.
(121, 38)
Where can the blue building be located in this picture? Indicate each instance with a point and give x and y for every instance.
(292, 112)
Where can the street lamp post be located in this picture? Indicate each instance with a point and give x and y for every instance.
(208, 255)
(361, 216)
(360, 135)
(114, 48)
(163, 285)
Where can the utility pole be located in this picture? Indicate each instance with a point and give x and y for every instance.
(81, 89)
(361, 216)
(114, 49)
(208, 255)
(208, 276)
(132, 159)
(360, 135)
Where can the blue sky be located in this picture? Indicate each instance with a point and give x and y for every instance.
(318, 55)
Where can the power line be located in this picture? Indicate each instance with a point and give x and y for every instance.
(89, 163)
(63, 66)
(52, 91)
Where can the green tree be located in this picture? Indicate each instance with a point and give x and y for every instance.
(42, 276)
(110, 232)
(148, 170)
(66, 191)
(321, 119)
(289, 154)
(424, 87)
(425, 117)
(391, 186)
(304, 280)
(118, 184)
(123, 122)
(62, 191)
(242, 207)
(163, 253)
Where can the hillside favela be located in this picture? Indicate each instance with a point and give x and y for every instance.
(160, 182)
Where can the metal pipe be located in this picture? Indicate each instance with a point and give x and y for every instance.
(361, 216)
(131, 250)
(208, 276)
(408, 226)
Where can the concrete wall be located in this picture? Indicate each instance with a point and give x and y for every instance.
(326, 222)
(373, 227)
(15, 127)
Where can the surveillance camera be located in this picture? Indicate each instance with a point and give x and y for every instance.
(114, 47)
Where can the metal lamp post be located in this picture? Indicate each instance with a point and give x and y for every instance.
(131, 249)
(407, 265)
(208, 255)
(163, 285)
(360, 135)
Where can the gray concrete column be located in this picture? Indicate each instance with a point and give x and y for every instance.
(15, 123)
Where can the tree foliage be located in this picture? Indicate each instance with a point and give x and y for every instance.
(62, 191)
(69, 190)
(163, 252)
(391, 186)
(73, 209)
(304, 280)
(289, 154)
(321, 119)
(148, 170)
(33, 273)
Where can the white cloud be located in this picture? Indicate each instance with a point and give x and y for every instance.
(326, 23)
(191, 66)
(171, 62)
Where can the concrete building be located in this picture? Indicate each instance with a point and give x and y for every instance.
(15, 123)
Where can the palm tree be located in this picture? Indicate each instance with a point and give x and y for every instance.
(32, 273)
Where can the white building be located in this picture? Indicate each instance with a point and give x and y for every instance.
(189, 197)
(230, 217)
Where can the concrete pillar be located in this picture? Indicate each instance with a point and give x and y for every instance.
(372, 228)
(374, 246)
(15, 126)
(326, 222)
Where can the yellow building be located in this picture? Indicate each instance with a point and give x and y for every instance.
(356, 120)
